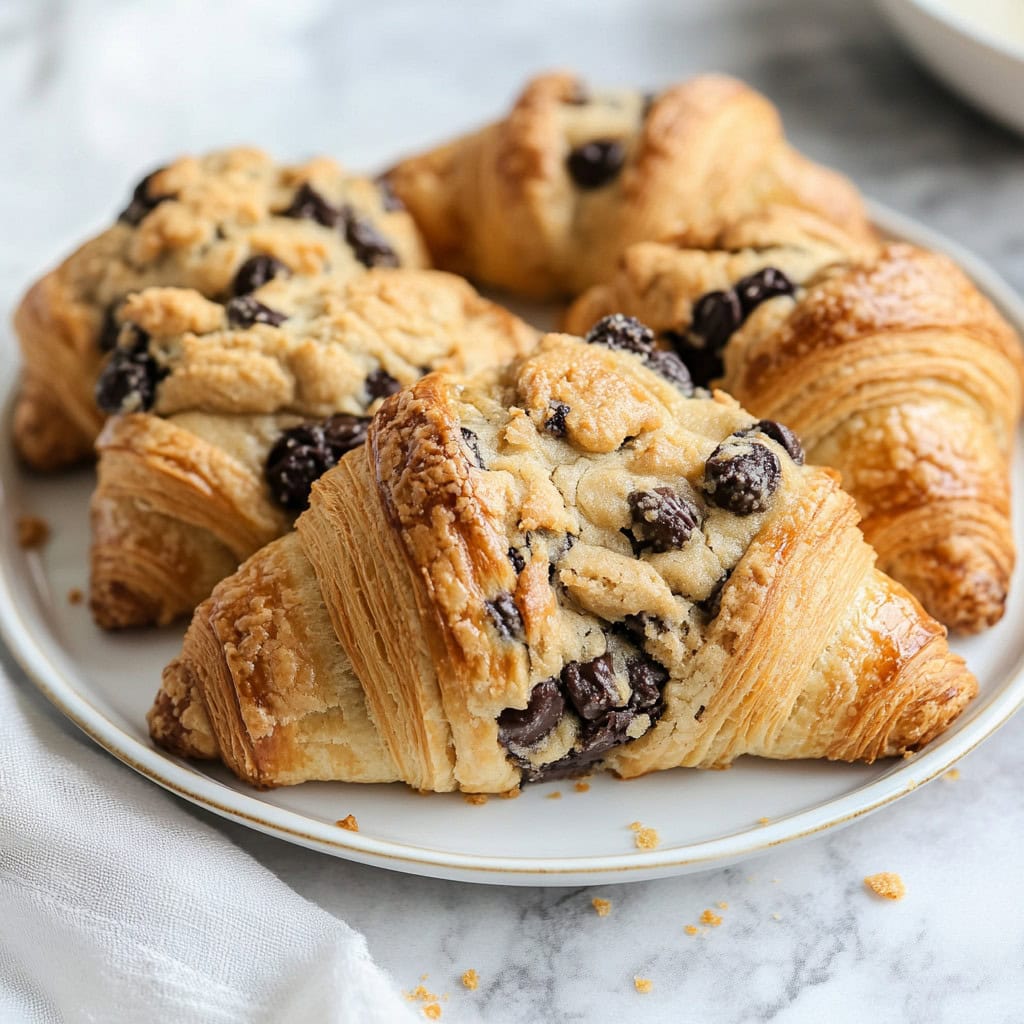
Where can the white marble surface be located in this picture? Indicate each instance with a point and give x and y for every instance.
(93, 94)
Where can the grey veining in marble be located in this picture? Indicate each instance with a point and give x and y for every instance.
(92, 94)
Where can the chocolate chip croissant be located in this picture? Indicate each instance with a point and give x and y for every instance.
(220, 224)
(225, 414)
(886, 360)
(573, 562)
(544, 201)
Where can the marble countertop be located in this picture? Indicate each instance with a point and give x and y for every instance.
(92, 94)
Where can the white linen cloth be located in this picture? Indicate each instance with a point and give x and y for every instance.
(117, 905)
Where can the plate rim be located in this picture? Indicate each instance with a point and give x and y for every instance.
(180, 778)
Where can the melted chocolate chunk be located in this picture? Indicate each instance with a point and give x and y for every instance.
(662, 519)
(110, 330)
(625, 333)
(703, 362)
(308, 204)
(781, 434)
(505, 616)
(129, 380)
(142, 202)
(765, 284)
(741, 477)
(304, 453)
(646, 678)
(369, 246)
(636, 625)
(388, 198)
(699, 714)
(517, 560)
(523, 728)
(473, 444)
(255, 272)
(244, 311)
(596, 163)
(716, 316)
(380, 384)
(672, 368)
(712, 604)
(591, 686)
(555, 423)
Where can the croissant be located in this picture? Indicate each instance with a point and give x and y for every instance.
(571, 562)
(225, 414)
(221, 224)
(544, 202)
(886, 360)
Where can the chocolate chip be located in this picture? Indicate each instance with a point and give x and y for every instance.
(308, 204)
(369, 246)
(621, 332)
(142, 202)
(715, 317)
(703, 362)
(129, 380)
(596, 163)
(517, 560)
(524, 727)
(473, 444)
(304, 453)
(555, 423)
(244, 311)
(646, 679)
(255, 272)
(110, 330)
(782, 435)
(591, 686)
(505, 616)
(700, 713)
(712, 604)
(672, 368)
(740, 476)
(662, 519)
(388, 198)
(761, 286)
(635, 626)
(609, 732)
(380, 384)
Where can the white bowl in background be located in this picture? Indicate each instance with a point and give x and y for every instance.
(975, 46)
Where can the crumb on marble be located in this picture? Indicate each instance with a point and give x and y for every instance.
(642, 985)
(952, 775)
(470, 979)
(691, 929)
(75, 596)
(421, 995)
(603, 907)
(433, 1011)
(33, 532)
(511, 794)
(581, 787)
(476, 799)
(886, 884)
(709, 917)
(348, 823)
(557, 795)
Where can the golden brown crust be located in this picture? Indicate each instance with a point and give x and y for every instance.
(892, 367)
(438, 554)
(224, 207)
(499, 205)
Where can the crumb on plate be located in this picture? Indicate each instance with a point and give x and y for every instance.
(581, 787)
(691, 929)
(709, 917)
(348, 823)
(886, 884)
(646, 838)
(642, 985)
(722, 905)
(511, 794)
(476, 799)
(764, 821)
(470, 979)
(33, 532)
(75, 596)
(557, 795)
(603, 907)
(952, 775)
(433, 1011)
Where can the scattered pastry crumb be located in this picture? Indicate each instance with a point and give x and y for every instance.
(511, 794)
(433, 1011)
(423, 977)
(764, 821)
(776, 917)
(709, 917)
(582, 787)
(722, 905)
(642, 985)
(476, 799)
(33, 532)
(348, 823)
(421, 995)
(886, 884)
(646, 838)
(75, 596)
(603, 907)
(775, 881)
(470, 979)
(952, 775)
(692, 929)
(557, 795)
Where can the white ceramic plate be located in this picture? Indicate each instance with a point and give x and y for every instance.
(105, 683)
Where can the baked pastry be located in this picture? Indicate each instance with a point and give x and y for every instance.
(221, 224)
(545, 201)
(885, 359)
(225, 414)
(573, 561)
